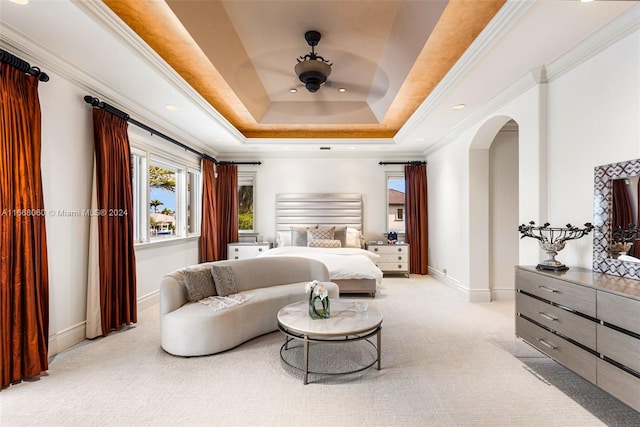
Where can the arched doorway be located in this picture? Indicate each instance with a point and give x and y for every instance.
(493, 209)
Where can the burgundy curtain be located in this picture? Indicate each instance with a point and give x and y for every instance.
(227, 204)
(636, 246)
(24, 277)
(117, 263)
(208, 227)
(416, 220)
(622, 214)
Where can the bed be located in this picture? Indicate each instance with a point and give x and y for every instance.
(299, 216)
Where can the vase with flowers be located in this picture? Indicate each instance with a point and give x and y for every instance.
(318, 300)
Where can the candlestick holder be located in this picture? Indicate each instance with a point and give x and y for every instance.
(552, 240)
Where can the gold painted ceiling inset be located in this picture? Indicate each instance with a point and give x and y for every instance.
(211, 57)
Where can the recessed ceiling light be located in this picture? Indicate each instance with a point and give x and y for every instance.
(171, 107)
(458, 107)
(586, 1)
(342, 90)
(293, 90)
(352, 148)
(419, 139)
(21, 2)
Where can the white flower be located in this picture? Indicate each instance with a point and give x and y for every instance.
(320, 291)
(310, 286)
(317, 288)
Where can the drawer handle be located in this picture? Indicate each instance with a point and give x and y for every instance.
(260, 250)
(547, 316)
(399, 258)
(399, 249)
(546, 344)
(375, 249)
(544, 288)
(399, 266)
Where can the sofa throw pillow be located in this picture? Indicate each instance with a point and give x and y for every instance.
(299, 235)
(224, 280)
(324, 243)
(325, 233)
(199, 283)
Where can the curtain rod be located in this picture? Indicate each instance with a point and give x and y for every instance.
(412, 163)
(22, 65)
(95, 102)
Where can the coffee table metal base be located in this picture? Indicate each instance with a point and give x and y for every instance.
(307, 339)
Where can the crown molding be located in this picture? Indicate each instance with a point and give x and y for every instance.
(100, 13)
(32, 52)
(608, 35)
(506, 17)
(619, 28)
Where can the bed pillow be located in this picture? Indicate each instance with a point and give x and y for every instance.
(299, 235)
(283, 239)
(224, 280)
(354, 238)
(340, 233)
(324, 243)
(199, 283)
(320, 233)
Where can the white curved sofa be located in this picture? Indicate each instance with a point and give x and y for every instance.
(194, 329)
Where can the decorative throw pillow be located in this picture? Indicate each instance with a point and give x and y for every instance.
(199, 283)
(324, 243)
(299, 235)
(224, 280)
(325, 233)
(340, 233)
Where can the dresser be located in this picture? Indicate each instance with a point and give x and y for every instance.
(246, 250)
(393, 259)
(589, 322)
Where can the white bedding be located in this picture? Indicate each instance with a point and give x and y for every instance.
(342, 263)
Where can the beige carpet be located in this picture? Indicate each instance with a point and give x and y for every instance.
(445, 362)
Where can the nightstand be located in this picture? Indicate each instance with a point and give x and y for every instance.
(394, 259)
(246, 250)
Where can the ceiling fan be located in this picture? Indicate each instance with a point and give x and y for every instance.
(312, 69)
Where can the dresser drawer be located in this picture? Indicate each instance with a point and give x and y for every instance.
(569, 355)
(390, 249)
(620, 347)
(575, 327)
(576, 297)
(394, 258)
(390, 266)
(620, 311)
(619, 384)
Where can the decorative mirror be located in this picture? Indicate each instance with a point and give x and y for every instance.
(612, 237)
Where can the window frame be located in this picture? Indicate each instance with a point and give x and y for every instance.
(252, 175)
(389, 175)
(183, 166)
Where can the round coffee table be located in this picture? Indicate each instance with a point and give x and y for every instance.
(344, 326)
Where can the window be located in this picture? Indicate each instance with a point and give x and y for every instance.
(166, 197)
(194, 202)
(246, 206)
(395, 202)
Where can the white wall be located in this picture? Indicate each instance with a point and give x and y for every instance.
(586, 117)
(596, 121)
(503, 213)
(323, 175)
(67, 167)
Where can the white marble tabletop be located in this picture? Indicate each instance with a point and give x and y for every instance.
(344, 319)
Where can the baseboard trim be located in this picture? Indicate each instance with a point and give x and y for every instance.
(66, 338)
(149, 300)
(471, 295)
(504, 294)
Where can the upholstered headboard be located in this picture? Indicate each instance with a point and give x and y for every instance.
(306, 209)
